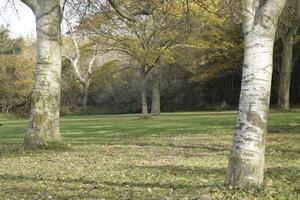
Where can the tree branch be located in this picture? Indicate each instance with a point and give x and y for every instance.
(270, 12)
(120, 12)
(31, 4)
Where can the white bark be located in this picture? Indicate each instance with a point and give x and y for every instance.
(246, 163)
(88, 80)
(83, 77)
(84, 70)
(44, 119)
(75, 60)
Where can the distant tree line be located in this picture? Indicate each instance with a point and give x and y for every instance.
(204, 78)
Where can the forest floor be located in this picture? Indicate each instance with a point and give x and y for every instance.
(173, 156)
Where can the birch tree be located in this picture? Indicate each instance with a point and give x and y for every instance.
(44, 118)
(246, 162)
(288, 30)
(83, 68)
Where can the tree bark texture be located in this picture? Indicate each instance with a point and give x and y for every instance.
(45, 103)
(246, 162)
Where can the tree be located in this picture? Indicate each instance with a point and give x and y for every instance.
(146, 34)
(82, 67)
(288, 30)
(246, 162)
(45, 103)
(71, 89)
(9, 45)
(85, 58)
(16, 80)
(219, 41)
(16, 73)
(114, 90)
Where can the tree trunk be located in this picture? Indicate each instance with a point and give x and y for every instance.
(144, 93)
(285, 73)
(85, 94)
(155, 109)
(45, 103)
(246, 162)
(144, 102)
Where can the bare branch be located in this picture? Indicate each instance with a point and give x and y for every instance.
(120, 12)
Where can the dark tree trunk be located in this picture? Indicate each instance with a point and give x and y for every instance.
(155, 109)
(285, 73)
(144, 93)
(85, 95)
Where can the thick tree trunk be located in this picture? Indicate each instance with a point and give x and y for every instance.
(246, 162)
(44, 118)
(155, 109)
(285, 73)
(144, 93)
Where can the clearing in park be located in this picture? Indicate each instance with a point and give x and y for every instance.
(173, 156)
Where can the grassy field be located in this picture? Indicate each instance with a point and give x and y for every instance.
(174, 156)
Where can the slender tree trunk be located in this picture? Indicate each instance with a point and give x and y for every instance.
(285, 73)
(144, 93)
(155, 109)
(86, 84)
(45, 103)
(85, 94)
(144, 101)
(246, 162)
(289, 40)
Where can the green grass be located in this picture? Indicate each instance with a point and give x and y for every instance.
(174, 156)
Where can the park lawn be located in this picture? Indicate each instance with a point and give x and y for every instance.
(173, 156)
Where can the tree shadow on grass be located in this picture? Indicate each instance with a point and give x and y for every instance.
(113, 186)
(285, 152)
(276, 173)
(140, 141)
(279, 173)
(18, 150)
(140, 184)
(287, 128)
(184, 170)
(43, 193)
